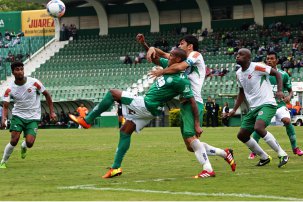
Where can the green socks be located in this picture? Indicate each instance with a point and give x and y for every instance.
(123, 147)
(292, 135)
(256, 136)
(106, 103)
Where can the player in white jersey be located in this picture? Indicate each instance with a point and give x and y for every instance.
(195, 69)
(254, 84)
(26, 113)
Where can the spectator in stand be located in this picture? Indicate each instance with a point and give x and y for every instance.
(140, 57)
(127, 60)
(7, 36)
(230, 51)
(209, 110)
(1, 36)
(162, 44)
(204, 33)
(16, 41)
(215, 114)
(258, 57)
(297, 108)
(295, 47)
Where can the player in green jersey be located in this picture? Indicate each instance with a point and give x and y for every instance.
(194, 67)
(282, 114)
(139, 111)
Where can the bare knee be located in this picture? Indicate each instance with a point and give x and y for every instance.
(117, 94)
(243, 135)
(286, 121)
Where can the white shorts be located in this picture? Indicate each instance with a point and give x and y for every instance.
(135, 111)
(281, 113)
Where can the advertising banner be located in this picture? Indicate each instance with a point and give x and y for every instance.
(37, 23)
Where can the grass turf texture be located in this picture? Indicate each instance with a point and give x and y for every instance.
(157, 167)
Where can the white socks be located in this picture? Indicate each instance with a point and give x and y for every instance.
(255, 147)
(273, 143)
(201, 155)
(23, 144)
(8, 150)
(213, 151)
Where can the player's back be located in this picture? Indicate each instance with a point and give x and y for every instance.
(166, 88)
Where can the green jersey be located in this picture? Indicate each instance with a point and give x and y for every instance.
(285, 87)
(166, 88)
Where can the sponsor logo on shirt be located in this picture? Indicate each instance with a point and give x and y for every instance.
(260, 113)
(249, 76)
(29, 90)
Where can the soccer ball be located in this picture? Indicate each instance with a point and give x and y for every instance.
(55, 8)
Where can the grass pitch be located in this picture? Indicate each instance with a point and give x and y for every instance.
(68, 165)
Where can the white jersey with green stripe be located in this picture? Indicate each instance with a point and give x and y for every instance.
(256, 85)
(196, 72)
(26, 98)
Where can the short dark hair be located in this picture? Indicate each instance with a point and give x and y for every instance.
(273, 53)
(180, 53)
(16, 64)
(190, 39)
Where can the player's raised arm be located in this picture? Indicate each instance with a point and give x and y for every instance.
(141, 40)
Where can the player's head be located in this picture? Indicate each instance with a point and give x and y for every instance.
(243, 56)
(189, 43)
(18, 70)
(272, 59)
(176, 55)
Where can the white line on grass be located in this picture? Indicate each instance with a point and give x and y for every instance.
(92, 187)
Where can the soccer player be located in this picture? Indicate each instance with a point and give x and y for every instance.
(254, 84)
(282, 114)
(26, 114)
(194, 68)
(139, 111)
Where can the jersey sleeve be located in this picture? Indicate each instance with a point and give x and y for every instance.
(262, 69)
(163, 62)
(40, 87)
(193, 58)
(6, 96)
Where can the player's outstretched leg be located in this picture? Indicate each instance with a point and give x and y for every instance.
(86, 122)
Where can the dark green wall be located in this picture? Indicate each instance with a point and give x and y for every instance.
(291, 19)
(229, 24)
(11, 20)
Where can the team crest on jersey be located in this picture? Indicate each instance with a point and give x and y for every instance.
(260, 113)
(169, 80)
(249, 76)
(29, 90)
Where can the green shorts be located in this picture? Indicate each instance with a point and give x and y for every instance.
(28, 126)
(263, 112)
(187, 119)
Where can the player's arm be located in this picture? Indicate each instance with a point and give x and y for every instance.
(50, 104)
(141, 40)
(153, 52)
(195, 112)
(279, 93)
(239, 100)
(289, 89)
(174, 68)
(4, 114)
